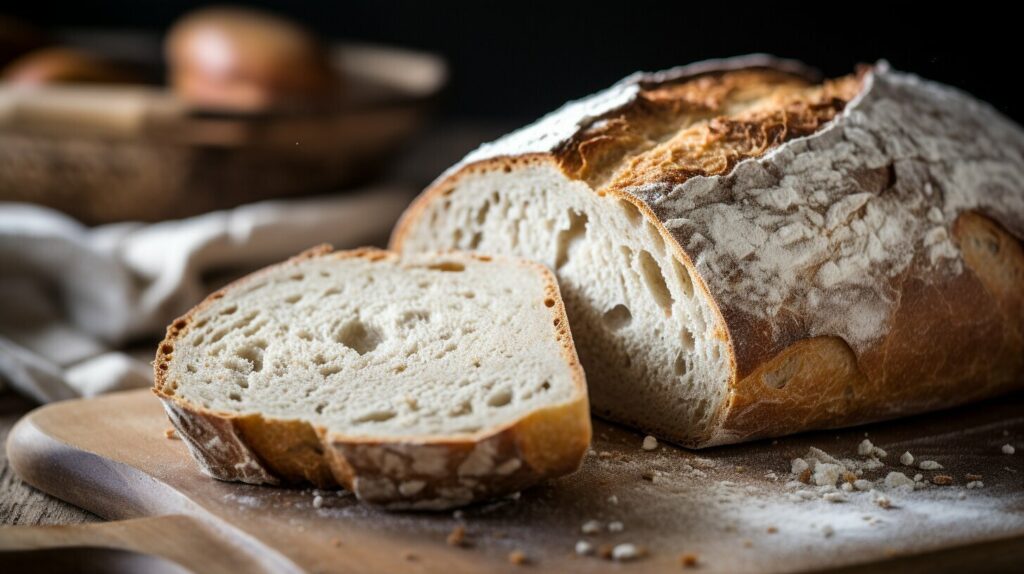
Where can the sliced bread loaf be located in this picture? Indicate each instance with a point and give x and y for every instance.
(423, 382)
(745, 251)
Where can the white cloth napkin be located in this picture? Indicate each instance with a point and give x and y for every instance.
(71, 296)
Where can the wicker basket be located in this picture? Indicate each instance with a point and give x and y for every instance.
(114, 153)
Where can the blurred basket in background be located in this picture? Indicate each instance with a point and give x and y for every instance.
(105, 153)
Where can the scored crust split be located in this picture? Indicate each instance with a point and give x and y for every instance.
(745, 252)
(340, 368)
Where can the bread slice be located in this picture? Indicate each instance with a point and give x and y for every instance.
(746, 251)
(423, 382)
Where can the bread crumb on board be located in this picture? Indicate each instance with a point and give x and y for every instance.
(1008, 449)
(627, 551)
(457, 537)
(942, 480)
(896, 479)
(615, 526)
(171, 434)
(866, 448)
(688, 560)
(975, 484)
(907, 459)
(517, 558)
(584, 548)
(650, 443)
(590, 527)
(929, 465)
(835, 497)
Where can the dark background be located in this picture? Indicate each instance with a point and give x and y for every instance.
(518, 60)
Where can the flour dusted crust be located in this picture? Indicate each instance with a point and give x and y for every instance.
(859, 238)
(423, 473)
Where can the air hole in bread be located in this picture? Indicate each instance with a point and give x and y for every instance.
(683, 276)
(549, 302)
(190, 368)
(201, 323)
(357, 336)
(320, 408)
(617, 317)
(293, 299)
(410, 318)
(475, 240)
(375, 417)
(235, 396)
(448, 266)
(679, 367)
(632, 212)
(462, 409)
(457, 237)
(253, 353)
(545, 386)
(245, 321)
(468, 294)
(219, 334)
(324, 273)
(330, 370)
(500, 398)
(655, 281)
(254, 328)
(237, 365)
(400, 369)
(298, 277)
(332, 291)
(481, 215)
(304, 334)
(569, 239)
(229, 310)
(688, 340)
(656, 239)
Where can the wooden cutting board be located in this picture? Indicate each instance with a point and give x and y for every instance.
(730, 506)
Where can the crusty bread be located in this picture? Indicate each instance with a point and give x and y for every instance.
(745, 252)
(425, 382)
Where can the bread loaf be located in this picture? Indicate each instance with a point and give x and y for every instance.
(247, 60)
(423, 383)
(746, 252)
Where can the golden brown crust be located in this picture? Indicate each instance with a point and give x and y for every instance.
(974, 327)
(703, 126)
(953, 337)
(401, 472)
